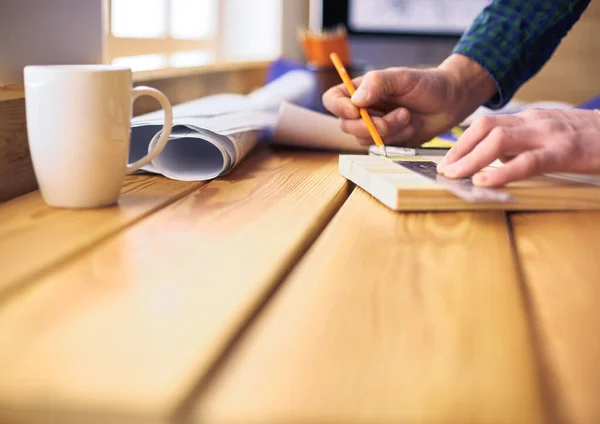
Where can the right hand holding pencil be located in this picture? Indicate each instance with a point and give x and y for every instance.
(411, 106)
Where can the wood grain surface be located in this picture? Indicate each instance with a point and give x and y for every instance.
(130, 327)
(34, 236)
(16, 170)
(559, 253)
(389, 318)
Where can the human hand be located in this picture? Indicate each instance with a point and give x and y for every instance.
(530, 143)
(411, 106)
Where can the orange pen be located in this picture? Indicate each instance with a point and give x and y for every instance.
(339, 66)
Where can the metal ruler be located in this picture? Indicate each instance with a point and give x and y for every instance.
(462, 188)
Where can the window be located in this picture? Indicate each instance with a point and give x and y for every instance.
(152, 34)
(147, 34)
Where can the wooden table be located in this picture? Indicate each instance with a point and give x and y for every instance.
(281, 293)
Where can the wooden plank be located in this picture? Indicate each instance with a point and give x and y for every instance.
(16, 169)
(232, 67)
(12, 92)
(388, 318)
(559, 256)
(34, 237)
(404, 190)
(130, 327)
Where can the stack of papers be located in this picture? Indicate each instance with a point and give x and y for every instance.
(211, 135)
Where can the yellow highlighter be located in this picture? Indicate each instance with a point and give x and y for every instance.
(339, 66)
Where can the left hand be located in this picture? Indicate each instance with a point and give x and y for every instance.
(529, 143)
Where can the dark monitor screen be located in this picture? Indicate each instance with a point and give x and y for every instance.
(386, 33)
(445, 18)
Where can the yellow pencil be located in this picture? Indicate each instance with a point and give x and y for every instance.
(363, 112)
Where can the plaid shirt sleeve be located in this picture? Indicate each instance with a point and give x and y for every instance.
(513, 39)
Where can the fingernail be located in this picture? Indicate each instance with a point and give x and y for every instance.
(360, 96)
(381, 127)
(481, 179)
(451, 170)
(402, 115)
(441, 165)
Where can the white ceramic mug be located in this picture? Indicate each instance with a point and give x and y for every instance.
(79, 127)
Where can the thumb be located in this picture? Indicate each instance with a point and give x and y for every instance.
(375, 86)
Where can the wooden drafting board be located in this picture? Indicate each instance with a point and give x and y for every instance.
(403, 190)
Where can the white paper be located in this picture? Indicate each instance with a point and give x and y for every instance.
(300, 127)
(210, 136)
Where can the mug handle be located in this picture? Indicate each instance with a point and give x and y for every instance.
(156, 145)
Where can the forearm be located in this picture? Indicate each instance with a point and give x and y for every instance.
(513, 39)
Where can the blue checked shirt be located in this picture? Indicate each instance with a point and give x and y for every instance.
(513, 39)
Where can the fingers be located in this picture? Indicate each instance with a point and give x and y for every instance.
(527, 164)
(376, 86)
(480, 129)
(396, 128)
(386, 125)
(375, 92)
(401, 138)
(337, 101)
(499, 142)
(537, 146)
(373, 87)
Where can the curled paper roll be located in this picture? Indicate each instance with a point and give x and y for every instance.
(300, 127)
